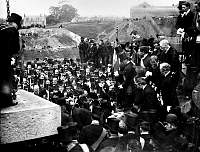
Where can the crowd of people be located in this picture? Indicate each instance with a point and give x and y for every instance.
(114, 95)
(134, 94)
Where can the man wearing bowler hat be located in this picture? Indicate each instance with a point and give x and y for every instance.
(10, 45)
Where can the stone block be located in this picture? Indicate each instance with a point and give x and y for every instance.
(33, 117)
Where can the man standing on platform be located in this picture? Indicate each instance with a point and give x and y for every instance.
(185, 28)
(10, 45)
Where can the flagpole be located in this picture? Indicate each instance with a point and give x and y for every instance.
(8, 8)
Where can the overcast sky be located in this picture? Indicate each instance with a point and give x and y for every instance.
(85, 7)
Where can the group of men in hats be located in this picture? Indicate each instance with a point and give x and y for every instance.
(102, 108)
(99, 53)
(88, 95)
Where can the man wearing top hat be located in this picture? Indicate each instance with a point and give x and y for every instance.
(68, 135)
(113, 139)
(92, 135)
(10, 45)
(185, 29)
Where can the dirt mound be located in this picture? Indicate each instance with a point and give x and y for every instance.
(49, 42)
(146, 28)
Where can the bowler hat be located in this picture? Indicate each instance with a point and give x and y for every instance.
(15, 18)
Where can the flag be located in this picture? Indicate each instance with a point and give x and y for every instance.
(115, 61)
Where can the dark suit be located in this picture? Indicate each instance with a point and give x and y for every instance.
(149, 99)
(82, 116)
(179, 21)
(9, 38)
(196, 52)
(186, 22)
(94, 55)
(128, 94)
(101, 51)
(155, 78)
(146, 61)
(168, 90)
(83, 51)
(171, 57)
(109, 143)
(129, 71)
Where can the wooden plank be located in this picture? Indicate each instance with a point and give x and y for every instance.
(32, 118)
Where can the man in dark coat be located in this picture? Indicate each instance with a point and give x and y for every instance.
(169, 55)
(128, 85)
(92, 135)
(188, 17)
(110, 51)
(129, 69)
(102, 50)
(94, 54)
(168, 87)
(185, 22)
(153, 73)
(83, 50)
(82, 116)
(144, 56)
(10, 45)
(149, 99)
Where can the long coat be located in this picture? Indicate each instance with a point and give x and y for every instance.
(9, 38)
(171, 57)
(168, 90)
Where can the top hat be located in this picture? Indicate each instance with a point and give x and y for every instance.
(92, 135)
(113, 124)
(131, 119)
(67, 131)
(16, 19)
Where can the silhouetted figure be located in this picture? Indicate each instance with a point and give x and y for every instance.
(10, 45)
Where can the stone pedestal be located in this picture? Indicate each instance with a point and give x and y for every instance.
(33, 117)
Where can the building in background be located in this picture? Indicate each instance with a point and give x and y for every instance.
(144, 9)
(34, 21)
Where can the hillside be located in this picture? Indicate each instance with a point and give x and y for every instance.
(57, 42)
(52, 43)
(146, 27)
(91, 29)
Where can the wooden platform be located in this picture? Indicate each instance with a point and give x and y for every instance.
(33, 117)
